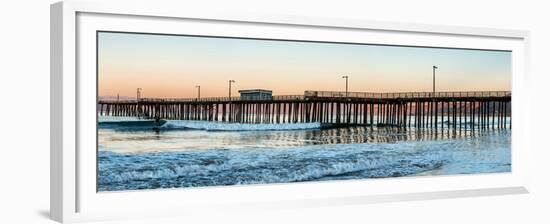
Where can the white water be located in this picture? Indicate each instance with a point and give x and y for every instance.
(198, 153)
(224, 126)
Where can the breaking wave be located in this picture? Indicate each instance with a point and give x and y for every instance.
(137, 158)
(133, 124)
(119, 171)
(225, 126)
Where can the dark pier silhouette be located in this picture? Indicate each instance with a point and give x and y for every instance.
(434, 110)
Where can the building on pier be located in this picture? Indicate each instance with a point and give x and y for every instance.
(256, 94)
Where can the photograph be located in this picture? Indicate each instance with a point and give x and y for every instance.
(183, 111)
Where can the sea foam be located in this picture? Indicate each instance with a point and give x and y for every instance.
(226, 126)
(126, 171)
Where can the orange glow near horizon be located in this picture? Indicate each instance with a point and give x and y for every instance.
(171, 66)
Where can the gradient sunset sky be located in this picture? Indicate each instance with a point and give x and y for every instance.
(171, 66)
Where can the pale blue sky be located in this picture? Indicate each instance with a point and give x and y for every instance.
(171, 66)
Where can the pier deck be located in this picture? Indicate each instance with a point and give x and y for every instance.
(482, 109)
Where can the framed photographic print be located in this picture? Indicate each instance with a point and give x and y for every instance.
(163, 110)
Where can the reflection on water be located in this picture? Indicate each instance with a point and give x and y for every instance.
(122, 140)
(143, 158)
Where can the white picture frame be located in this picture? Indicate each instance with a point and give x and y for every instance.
(73, 195)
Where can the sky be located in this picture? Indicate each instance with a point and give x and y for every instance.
(172, 66)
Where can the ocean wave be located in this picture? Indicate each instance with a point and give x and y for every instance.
(101, 119)
(225, 126)
(119, 171)
(133, 123)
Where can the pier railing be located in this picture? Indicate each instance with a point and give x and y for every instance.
(220, 99)
(338, 94)
(310, 94)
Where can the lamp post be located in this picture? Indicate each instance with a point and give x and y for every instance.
(199, 92)
(434, 68)
(230, 81)
(138, 94)
(346, 77)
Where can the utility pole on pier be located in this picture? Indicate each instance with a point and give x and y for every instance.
(433, 79)
(199, 92)
(230, 81)
(346, 77)
(138, 94)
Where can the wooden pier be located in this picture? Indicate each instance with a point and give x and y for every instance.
(439, 110)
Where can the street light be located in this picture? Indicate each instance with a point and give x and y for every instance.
(199, 91)
(230, 81)
(434, 68)
(346, 77)
(138, 94)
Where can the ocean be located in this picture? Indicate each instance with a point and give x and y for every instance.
(133, 155)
